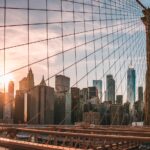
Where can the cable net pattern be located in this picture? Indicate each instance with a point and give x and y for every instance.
(82, 39)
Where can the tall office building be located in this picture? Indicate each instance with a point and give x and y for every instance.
(131, 85)
(110, 91)
(42, 98)
(19, 107)
(68, 108)
(21, 98)
(30, 78)
(84, 94)
(92, 92)
(27, 83)
(62, 83)
(140, 93)
(59, 108)
(8, 103)
(98, 85)
(75, 101)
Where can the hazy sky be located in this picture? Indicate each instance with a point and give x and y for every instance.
(113, 49)
(146, 3)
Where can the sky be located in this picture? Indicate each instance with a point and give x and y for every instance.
(119, 40)
(146, 3)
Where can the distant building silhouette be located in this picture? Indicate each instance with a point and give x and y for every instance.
(43, 82)
(62, 83)
(116, 114)
(68, 108)
(59, 108)
(20, 111)
(62, 86)
(119, 99)
(9, 103)
(140, 93)
(92, 92)
(19, 107)
(27, 82)
(98, 85)
(84, 94)
(110, 91)
(41, 104)
(21, 98)
(131, 85)
(75, 104)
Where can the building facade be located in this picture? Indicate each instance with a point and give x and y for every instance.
(59, 108)
(68, 108)
(98, 85)
(131, 85)
(42, 98)
(19, 107)
(91, 117)
(84, 95)
(9, 103)
(27, 83)
(110, 91)
(119, 99)
(75, 104)
(62, 83)
(92, 92)
(116, 114)
(140, 93)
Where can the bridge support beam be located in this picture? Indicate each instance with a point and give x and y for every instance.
(146, 21)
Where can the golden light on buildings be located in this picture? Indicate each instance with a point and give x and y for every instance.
(6, 79)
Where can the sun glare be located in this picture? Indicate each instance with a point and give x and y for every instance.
(6, 79)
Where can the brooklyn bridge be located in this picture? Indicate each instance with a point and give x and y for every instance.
(88, 74)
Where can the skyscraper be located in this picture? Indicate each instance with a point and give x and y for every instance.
(140, 93)
(75, 101)
(62, 83)
(131, 84)
(21, 98)
(98, 85)
(62, 86)
(92, 92)
(42, 98)
(30, 79)
(8, 103)
(27, 83)
(110, 91)
(19, 107)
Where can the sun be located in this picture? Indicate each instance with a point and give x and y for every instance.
(6, 79)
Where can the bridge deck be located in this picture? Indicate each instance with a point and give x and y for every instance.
(9, 143)
(64, 137)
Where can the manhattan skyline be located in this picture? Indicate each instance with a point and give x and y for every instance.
(109, 94)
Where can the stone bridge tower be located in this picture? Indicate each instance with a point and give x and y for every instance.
(146, 21)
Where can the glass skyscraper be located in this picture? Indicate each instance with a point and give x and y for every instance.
(110, 91)
(131, 85)
(98, 85)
